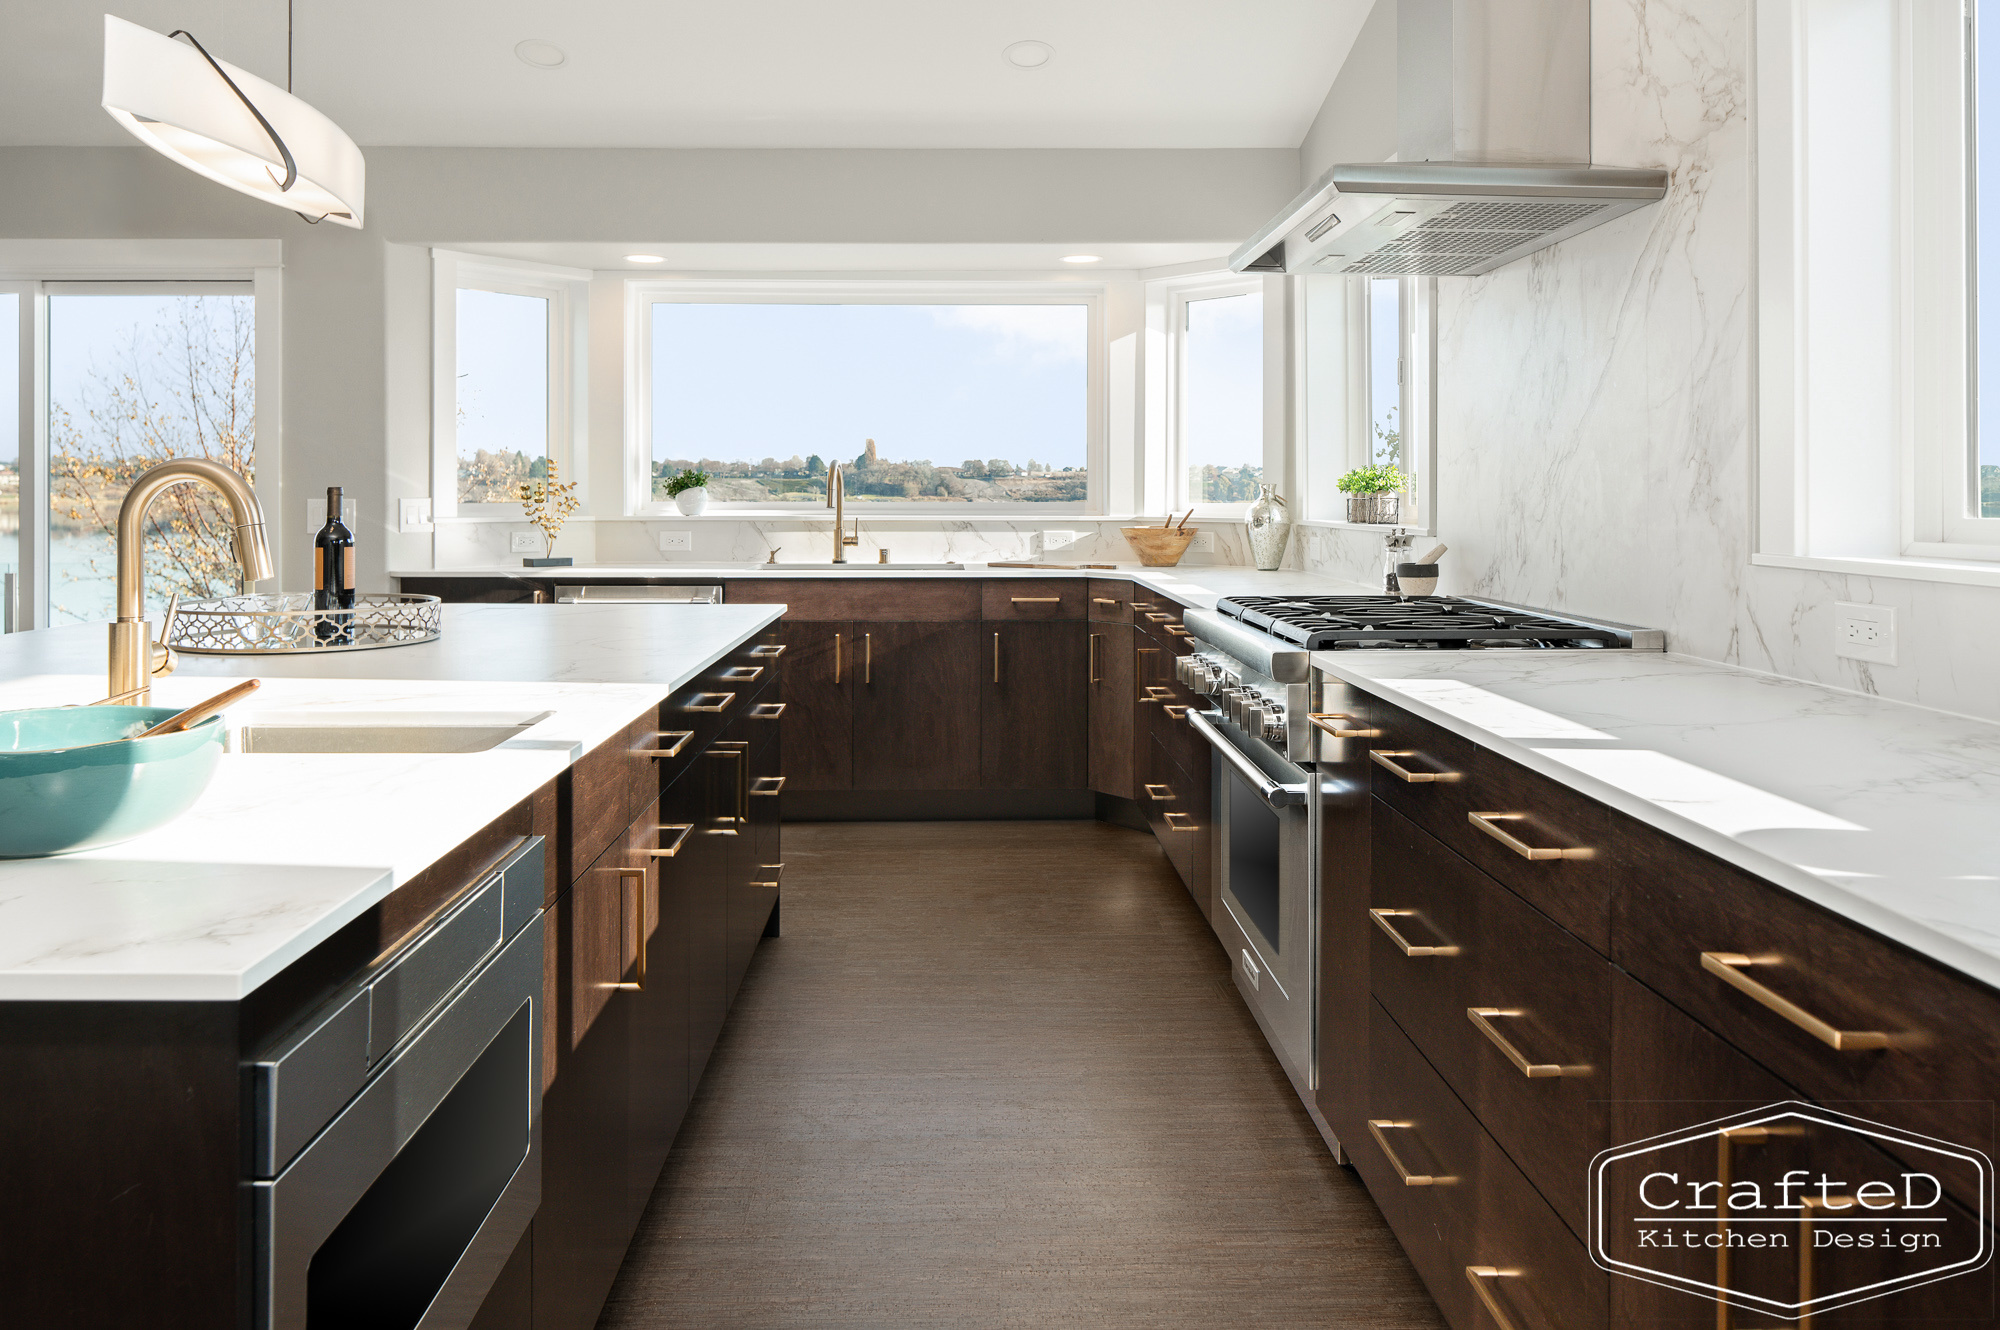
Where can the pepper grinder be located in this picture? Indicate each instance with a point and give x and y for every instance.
(1395, 549)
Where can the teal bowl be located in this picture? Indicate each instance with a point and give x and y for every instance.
(75, 778)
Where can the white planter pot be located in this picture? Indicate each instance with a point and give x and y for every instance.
(691, 502)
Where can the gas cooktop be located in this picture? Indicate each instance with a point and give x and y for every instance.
(1321, 623)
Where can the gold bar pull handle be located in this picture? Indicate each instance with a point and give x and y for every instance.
(996, 658)
(1483, 1017)
(1140, 654)
(868, 658)
(1381, 758)
(1485, 822)
(836, 657)
(1172, 825)
(1329, 722)
(767, 785)
(680, 740)
(1175, 711)
(684, 828)
(1093, 658)
(1376, 1126)
(1403, 944)
(625, 875)
(1102, 600)
(707, 702)
(743, 673)
(1728, 966)
(768, 710)
(1164, 793)
(1482, 1277)
(1036, 600)
(770, 650)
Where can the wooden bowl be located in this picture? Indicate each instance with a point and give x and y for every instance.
(1160, 546)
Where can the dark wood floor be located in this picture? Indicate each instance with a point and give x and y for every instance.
(996, 1074)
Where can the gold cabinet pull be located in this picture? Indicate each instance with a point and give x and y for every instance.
(1155, 693)
(1728, 966)
(764, 780)
(1403, 944)
(1380, 757)
(1175, 711)
(1093, 658)
(868, 658)
(1037, 600)
(1175, 630)
(1141, 653)
(1153, 792)
(680, 740)
(1376, 1126)
(770, 650)
(1483, 1017)
(1485, 822)
(768, 710)
(684, 828)
(1102, 600)
(1158, 618)
(625, 875)
(1327, 721)
(996, 658)
(1176, 826)
(743, 673)
(701, 702)
(836, 657)
(1481, 1277)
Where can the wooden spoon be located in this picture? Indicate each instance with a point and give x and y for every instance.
(201, 711)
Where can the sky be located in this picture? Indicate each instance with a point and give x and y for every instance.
(10, 384)
(1385, 334)
(936, 383)
(1225, 381)
(503, 373)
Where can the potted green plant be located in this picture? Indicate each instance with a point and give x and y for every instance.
(689, 491)
(1375, 493)
(548, 503)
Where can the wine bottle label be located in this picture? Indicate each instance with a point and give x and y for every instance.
(319, 574)
(347, 569)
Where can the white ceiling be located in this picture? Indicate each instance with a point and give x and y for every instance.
(696, 73)
(709, 259)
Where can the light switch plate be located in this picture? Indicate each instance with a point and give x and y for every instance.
(672, 542)
(523, 542)
(315, 514)
(1864, 632)
(1058, 540)
(413, 515)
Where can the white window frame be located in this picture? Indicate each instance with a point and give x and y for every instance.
(1337, 426)
(642, 294)
(568, 292)
(31, 268)
(1865, 389)
(1173, 298)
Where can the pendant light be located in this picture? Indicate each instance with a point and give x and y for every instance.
(229, 125)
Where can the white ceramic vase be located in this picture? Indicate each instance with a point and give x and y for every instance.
(691, 502)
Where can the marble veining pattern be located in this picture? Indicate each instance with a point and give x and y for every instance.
(1882, 812)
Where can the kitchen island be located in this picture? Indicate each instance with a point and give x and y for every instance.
(155, 995)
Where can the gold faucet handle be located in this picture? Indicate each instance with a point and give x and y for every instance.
(163, 659)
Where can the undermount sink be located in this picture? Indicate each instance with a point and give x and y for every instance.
(858, 567)
(384, 732)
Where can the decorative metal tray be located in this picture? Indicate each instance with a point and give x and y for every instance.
(287, 623)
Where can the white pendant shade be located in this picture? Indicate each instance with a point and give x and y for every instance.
(168, 96)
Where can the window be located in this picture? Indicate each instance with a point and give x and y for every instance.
(931, 398)
(1222, 397)
(10, 460)
(1367, 387)
(510, 339)
(1385, 371)
(1982, 473)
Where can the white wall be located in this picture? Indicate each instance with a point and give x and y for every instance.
(1357, 122)
(1594, 449)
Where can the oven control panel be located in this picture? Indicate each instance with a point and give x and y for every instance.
(1255, 704)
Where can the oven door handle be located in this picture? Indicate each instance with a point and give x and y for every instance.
(1277, 794)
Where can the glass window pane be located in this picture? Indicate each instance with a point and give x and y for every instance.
(1222, 406)
(10, 426)
(924, 403)
(503, 394)
(1986, 137)
(1385, 386)
(133, 381)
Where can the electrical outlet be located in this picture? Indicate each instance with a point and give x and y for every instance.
(413, 515)
(1058, 540)
(671, 541)
(1864, 632)
(1202, 541)
(523, 542)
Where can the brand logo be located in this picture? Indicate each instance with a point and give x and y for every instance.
(1790, 1210)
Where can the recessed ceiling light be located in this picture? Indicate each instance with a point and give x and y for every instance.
(1029, 55)
(644, 258)
(541, 54)
(1080, 258)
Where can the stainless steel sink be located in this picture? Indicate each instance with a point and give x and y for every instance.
(858, 567)
(383, 732)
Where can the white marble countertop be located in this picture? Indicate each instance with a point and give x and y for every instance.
(1884, 813)
(281, 850)
(1195, 585)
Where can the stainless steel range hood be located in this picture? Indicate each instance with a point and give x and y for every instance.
(1493, 147)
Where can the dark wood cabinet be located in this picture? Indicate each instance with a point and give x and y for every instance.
(1108, 660)
(916, 706)
(1345, 931)
(1034, 706)
(713, 811)
(818, 695)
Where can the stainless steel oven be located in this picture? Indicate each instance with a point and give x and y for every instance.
(1263, 817)
(396, 1132)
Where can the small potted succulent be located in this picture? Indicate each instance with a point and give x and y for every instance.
(548, 503)
(1375, 493)
(689, 491)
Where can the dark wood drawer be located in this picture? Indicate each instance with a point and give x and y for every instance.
(1439, 780)
(1910, 1031)
(1475, 1211)
(1036, 598)
(862, 596)
(1176, 802)
(607, 788)
(1538, 1052)
(1158, 615)
(1110, 601)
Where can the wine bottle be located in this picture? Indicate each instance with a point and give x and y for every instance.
(333, 575)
